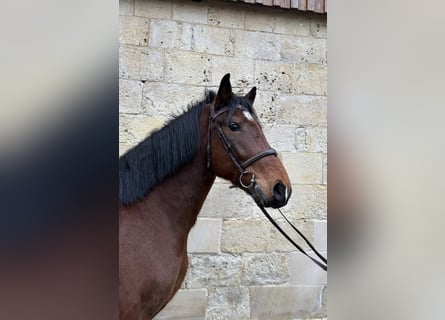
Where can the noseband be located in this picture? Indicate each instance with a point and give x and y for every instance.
(241, 166)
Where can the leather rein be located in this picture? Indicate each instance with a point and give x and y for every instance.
(252, 187)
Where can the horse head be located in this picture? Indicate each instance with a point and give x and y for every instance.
(239, 152)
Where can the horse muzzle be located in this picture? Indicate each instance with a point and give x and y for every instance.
(280, 196)
(280, 193)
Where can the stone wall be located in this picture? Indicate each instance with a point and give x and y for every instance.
(240, 266)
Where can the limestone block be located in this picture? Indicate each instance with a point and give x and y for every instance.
(318, 26)
(309, 201)
(130, 96)
(135, 128)
(281, 137)
(266, 106)
(228, 303)
(126, 7)
(204, 236)
(302, 49)
(324, 301)
(187, 68)
(223, 202)
(133, 30)
(141, 63)
(316, 139)
(325, 170)
(263, 269)
(239, 235)
(304, 272)
(306, 227)
(288, 302)
(259, 19)
(302, 110)
(321, 235)
(225, 16)
(214, 270)
(274, 76)
(159, 9)
(300, 139)
(186, 304)
(170, 34)
(310, 79)
(213, 40)
(311, 139)
(303, 168)
(129, 62)
(293, 23)
(189, 11)
(291, 210)
(246, 236)
(241, 72)
(257, 45)
(166, 99)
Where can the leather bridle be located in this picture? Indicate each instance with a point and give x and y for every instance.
(252, 187)
(254, 191)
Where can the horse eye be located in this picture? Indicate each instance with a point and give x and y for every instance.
(233, 126)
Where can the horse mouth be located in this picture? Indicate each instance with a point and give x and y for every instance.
(276, 204)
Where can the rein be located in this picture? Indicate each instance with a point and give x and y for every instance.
(323, 265)
(252, 187)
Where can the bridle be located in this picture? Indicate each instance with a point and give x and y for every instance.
(252, 188)
(254, 191)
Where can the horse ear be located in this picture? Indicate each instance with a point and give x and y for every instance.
(251, 95)
(224, 92)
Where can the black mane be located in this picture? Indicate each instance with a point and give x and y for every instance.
(160, 155)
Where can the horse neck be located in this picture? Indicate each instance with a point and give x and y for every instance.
(180, 197)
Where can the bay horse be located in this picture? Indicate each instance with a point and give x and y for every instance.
(163, 183)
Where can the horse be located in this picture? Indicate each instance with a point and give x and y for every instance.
(164, 180)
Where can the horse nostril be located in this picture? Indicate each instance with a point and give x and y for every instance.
(279, 192)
